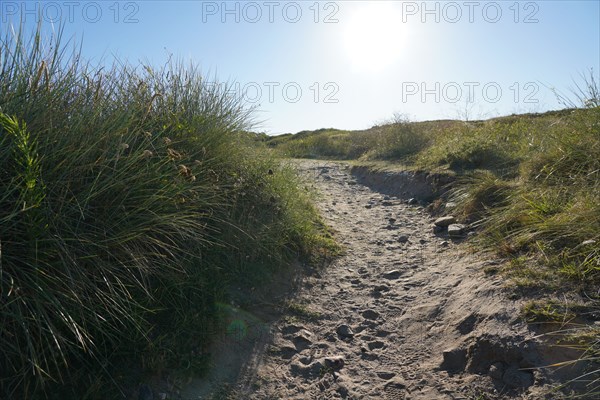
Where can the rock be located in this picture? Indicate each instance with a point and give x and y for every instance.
(445, 221)
(437, 229)
(456, 230)
(412, 201)
(455, 360)
(345, 331)
(387, 203)
(386, 375)
(370, 314)
(369, 206)
(496, 371)
(403, 238)
(517, 378)
(393, 274)
(587, 242)
(450, 205)
(334, 362)
(355, 281)
(376, 344)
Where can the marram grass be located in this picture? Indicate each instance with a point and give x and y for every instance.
(129, 197)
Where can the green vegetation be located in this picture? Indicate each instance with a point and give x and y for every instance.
(131, 199)
(530, 183)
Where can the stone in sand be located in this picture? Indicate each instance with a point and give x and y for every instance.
(386, 375)
(445, 221)
(456, 230)
(345, 331)
(370, 314)
(393, 274)
(334, 362)
(376, 344)
(403, 238)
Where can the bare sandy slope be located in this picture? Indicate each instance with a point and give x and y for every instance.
(403, 314)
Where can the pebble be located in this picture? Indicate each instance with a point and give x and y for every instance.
(376, 344)
(386, 375)
(403, 238)
(456, 230)
(334, 362)
(445, 221)
(345, 331)
(370, 314)
(393, 274)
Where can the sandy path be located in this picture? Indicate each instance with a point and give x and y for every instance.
(384, 314)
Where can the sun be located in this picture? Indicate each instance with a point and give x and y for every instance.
(373, 36)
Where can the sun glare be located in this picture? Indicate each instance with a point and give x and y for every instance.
(373, 36)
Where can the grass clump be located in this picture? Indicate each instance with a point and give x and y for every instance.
(130, 199)
(322, 143)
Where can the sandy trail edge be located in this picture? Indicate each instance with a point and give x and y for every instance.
(425, 321)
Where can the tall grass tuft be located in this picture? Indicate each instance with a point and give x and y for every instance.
(125, 192)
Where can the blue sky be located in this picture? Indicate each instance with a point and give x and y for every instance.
(349, 64)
